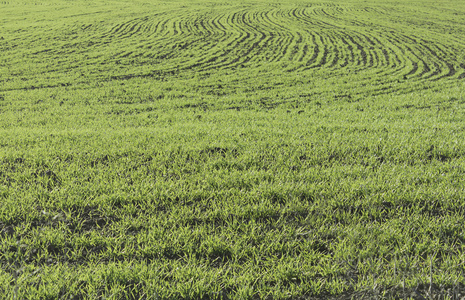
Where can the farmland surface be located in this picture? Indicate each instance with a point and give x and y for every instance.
(232, 149)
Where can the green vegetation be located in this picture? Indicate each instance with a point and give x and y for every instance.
(232, 149)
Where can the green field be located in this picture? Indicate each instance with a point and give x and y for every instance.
(234, 149)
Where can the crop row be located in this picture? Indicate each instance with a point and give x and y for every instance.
(307, 40)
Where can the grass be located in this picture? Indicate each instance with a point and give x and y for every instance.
(240, 150)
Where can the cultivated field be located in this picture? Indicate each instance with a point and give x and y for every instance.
(234, 149)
